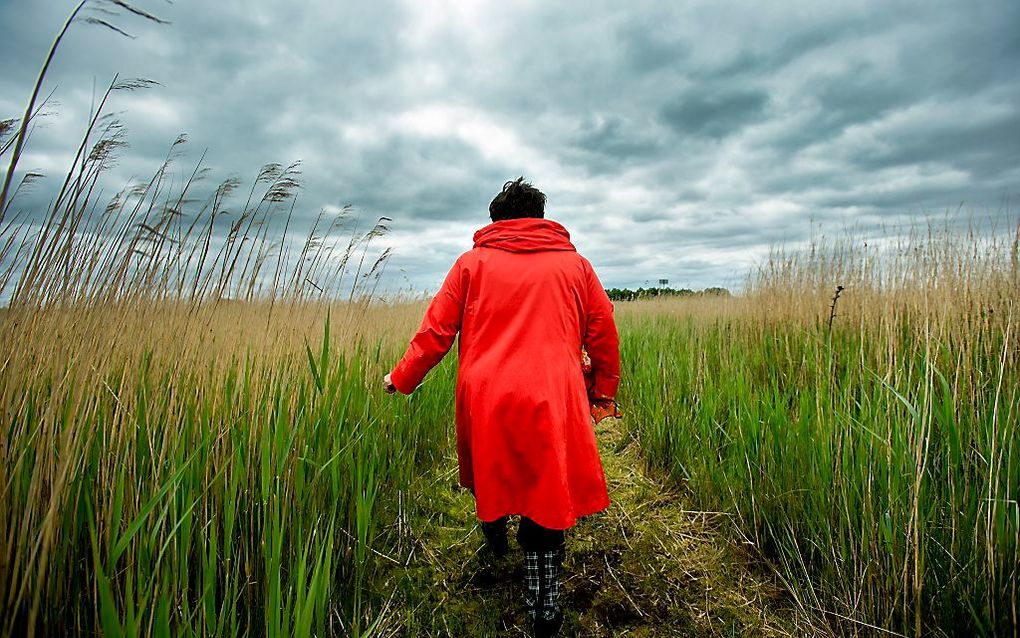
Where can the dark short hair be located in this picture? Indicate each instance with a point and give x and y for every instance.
(517, 199)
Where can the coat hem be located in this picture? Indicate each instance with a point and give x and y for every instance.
(573, 518)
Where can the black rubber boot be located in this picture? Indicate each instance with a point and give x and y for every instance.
(548, 628)
(495, 536)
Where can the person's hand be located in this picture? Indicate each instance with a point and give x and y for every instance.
(388, 384)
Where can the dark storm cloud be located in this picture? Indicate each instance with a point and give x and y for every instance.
(674, 140)
(969, 144)
(417, 180)
(716, 114)
(613, 136)
(647, 47)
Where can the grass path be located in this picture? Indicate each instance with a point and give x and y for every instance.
(645, 567)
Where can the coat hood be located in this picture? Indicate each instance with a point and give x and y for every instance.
(524, 235)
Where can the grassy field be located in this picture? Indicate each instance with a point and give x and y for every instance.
(223, 468)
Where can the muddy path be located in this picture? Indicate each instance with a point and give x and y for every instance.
(648, 566)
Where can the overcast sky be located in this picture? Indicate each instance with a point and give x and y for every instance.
(674, 140)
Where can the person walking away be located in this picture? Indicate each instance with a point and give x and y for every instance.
(526, 306)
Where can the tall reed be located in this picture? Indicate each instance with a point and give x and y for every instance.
(875, 461)
(218, 471)
(194, 439)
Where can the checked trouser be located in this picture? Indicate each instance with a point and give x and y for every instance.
(542, 584)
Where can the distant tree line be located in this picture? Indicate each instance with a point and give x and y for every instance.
(626, 294)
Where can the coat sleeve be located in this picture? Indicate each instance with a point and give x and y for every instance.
(600, 339)
(435, 336)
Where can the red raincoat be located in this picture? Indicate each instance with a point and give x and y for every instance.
(524, 302)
